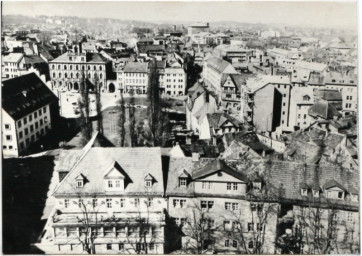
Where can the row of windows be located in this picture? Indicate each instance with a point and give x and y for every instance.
(33, 137)
(136, 81)
(31, 127)
(349, 97)
(30, 117)
(135, 74)
(77, 75)
(174, 75)
(170, 80)
(77, 67)
(109, 202)
(6, 147)
(180, 86)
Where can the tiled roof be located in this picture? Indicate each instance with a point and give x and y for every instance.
(328, 94)
(216, 120)
(136, 162)
(323, 109)
(136, 67)
(24, 94)
(219, 64)
(33, 59)
(12, 57)
(67, 159)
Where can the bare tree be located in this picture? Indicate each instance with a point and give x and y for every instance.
(122, 120)
(97, 91)
(250, 233)
(85, 123)
(132, 120)
(198, 228)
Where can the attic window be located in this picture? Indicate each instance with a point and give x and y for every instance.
(306, 98)
(148, 183)
(304, 192)
(257, 185)
(80, 183)
(315, 193)
(182, 182)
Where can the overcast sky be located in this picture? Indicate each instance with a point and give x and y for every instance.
(325, 14)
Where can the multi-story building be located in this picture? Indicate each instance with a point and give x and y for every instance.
(173, 81)
(232, 92)
(209, 198)
(214, 69)
(269, 103)
(133, 78)
(302, 98)
(11, 65)
(68, 71)
(116, 196)
(347, 85)
(197, 27)
(28, 110)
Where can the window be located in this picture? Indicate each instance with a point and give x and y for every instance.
(259, 226)
(94, 202)
(136, 202)
(251, 245)
(235, 243)
(7, 126)
(250, 226)
(121, 202)
(226, 243)
(31, 128)
(228, 186)
(182, 182)
(350, 216)
(36, 125)
(80, 203)
(5, 147)
(235, 186)
(227, 206)
(26, 131)
(40, 113)
(118, 183)
(109, 203)
(80, 183)
(110, 184)
(148, 183)
(206, 185)
(304, 191)
(235, 206)
(8, 137)
(25, 121)
(182, 203)
(315, 193)
(19, 123)
(109, 247)
(66, 203)
(20, 135)
(35, 114)
(340, 195)
(10, 147)
(203, 204)
(121, 246)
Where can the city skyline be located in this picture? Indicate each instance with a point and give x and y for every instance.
(316, 14)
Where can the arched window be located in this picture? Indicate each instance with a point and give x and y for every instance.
(76, 87)
(66, 75)
(82, 67)
(60, 83)
(76, 67)
(53, 66)
(100, 67)
(88, 67)
(60, 75)
(89, 75)
(100, 75)
(65, 67)
(95, 67)
(71, 67)
(71, 75)
(58, 66)
(54, 75)
(77, 75)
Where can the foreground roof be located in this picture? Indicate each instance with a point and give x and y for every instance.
(136, 163)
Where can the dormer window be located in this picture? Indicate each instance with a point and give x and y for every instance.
(182, 182)
(306, 98)
(114, 178)
(80, 180)
(149, 180)
(304, 192)
(315, 193)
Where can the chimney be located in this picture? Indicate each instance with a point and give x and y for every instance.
(195, 157)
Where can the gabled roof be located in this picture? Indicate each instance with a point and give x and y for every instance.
(149, 177)
(216, 120)
(215, 166)
(80, 177)
(136, 67)
(332, 183)
(25, 94)
(323, 109)
(184, 174)
(115, 171)
(136, 163)
(219, 64)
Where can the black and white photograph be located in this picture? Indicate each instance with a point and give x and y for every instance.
(180, 127)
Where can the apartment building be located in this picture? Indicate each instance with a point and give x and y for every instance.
(232, 93)
(67, 72)
(210, 197)
(133, 78)
(269, 103)
(121, 190)
(173, 82)
(214, 69)
(28, 110)
(11, 65)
